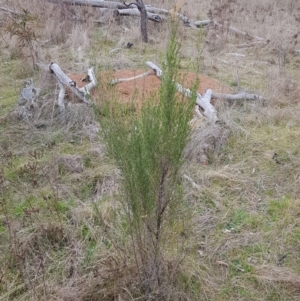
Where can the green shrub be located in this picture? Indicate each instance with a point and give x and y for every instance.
(148, 147)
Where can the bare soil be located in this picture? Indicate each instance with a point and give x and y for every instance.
(144, 88)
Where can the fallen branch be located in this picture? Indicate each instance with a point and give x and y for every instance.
(236, 31)
(9, 10)
(236, 54)
(240, 96)
(202, 101)
(93, 3)
(127, 10)
(64, 81)
(253, 44)
(135, 12)
(92, 82)
(202, 23)
(121, 80)
(194, 185)
(153, 14)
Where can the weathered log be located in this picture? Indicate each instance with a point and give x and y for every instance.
(236, 54)
(61, 97)
(202, 101)
(202, 23)
(237, 31)
(28, 93)
(64, 81)
(239, 96)
(163, 11)
(11, 11)
(92, 83)
(135, 12)
(152, 12)
(93, 3)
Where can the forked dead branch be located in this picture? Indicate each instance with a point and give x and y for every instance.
(64, 81)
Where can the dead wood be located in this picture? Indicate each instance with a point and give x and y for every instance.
(136, 12)
(9, 10)
(93, 3)
(202, 101)
(236, 31)
(121, 80)
(239, 96)
(64, 81)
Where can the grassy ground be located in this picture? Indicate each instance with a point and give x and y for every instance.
(238, 229)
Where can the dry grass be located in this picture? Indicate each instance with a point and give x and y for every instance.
(60, 211)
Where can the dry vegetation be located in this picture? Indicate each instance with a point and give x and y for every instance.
(237, 233)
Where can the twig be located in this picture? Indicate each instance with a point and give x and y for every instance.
(194, 185)
(9, 10)
(121, 80)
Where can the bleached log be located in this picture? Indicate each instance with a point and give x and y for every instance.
(61, 97)
(83, 93)
(202, 23)
(121, 80)
(229, 28)
(156, 10)
(93, 3)
(135, 12)
(166, 12)
(239, 96)
(93, 82)
(28, 93)
(11, 11)
(235, 54)
(197, 111)
(152, 12)
(202, 101)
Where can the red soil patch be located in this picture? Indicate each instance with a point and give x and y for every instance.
(143, 88)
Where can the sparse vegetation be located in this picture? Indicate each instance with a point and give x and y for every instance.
(79, 224)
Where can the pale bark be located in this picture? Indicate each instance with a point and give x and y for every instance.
(239, 96)
(61, 97)
(93, 3)
(64, 81)
(236, 54)
(162, 11)
(202, 101)
(121, 80)
(11, 11)
(135, 12)
(202, 23)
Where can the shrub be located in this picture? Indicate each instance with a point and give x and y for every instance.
(148, 147)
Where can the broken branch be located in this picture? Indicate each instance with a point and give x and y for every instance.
(239, 96)
(64, 81)
(121, 80)
(202, 101)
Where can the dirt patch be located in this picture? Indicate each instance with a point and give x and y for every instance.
(143, 88)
